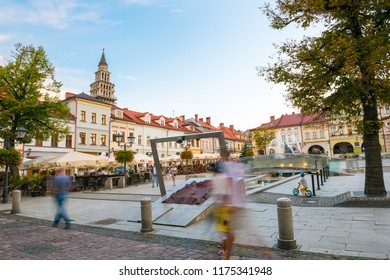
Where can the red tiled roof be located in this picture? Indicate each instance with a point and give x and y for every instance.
(137, 118)
(290, 120)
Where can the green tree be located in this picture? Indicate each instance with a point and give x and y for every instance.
(124, 156)
(29, 97)
(246, 151)
(187, 154)
(263, 138)
(343, 71)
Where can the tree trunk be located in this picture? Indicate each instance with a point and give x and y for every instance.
(374, 183)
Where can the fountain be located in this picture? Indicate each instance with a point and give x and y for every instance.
(278, 146)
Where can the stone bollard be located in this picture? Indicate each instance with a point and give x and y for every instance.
(16, 196)
(146, 215)
(108, 183)
(122, 182)
(286, 238)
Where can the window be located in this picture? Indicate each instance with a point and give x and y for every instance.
(103, 140)
(54, 140)
(104, 119)
(290, 138)
(114, 133)
(162, 122)
(83, 116)
(284, 138)
(314, 134)
(119, 114)
(322, 134)
(388, 126)
(82, 136)
(93, 138)
(139, 139)
(123, 136)
(93, 118)
(175, 125)
(349, 130)
(307, 135)
(387, 110)
(148, 140)
(38, 143)
(296, 137)
(68, 141)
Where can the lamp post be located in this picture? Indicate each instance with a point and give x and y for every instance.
(187, 146)
(119, 138)
(20, 134)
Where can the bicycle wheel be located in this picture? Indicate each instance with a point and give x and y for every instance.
(308, 193)
(295, 191)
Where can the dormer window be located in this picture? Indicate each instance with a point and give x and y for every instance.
(175, 124)
(147, 119)
(119, 114)
(162, 122)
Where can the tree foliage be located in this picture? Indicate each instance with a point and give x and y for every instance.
(263, 138)
(29, 96)
(343, 71)
(246, 151)
(186, 154)
(10, 157)
(123, 156)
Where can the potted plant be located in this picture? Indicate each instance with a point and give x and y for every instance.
(36, 186)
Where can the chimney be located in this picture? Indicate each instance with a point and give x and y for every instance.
(182, 118)
(196, 117)
(208, 120)
(69, 95)
(293, 113)
(221, 125)
(201, 119)
(231, 127)
(125, 109)
(272, 118)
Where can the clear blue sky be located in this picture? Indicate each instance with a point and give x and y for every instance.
(167, 57)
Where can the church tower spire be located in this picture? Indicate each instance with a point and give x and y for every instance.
(102, 88)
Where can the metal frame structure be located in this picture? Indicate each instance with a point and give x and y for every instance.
(180, 139)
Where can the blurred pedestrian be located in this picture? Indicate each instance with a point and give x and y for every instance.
(154, 177)
(61, 186)
(174, 173)
(229, 198)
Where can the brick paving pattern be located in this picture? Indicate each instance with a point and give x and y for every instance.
(33, 239)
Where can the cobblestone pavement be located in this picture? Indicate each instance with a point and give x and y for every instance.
(25, 238)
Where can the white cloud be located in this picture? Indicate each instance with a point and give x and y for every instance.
(4, 37)
(55, 13)
(129, 78)
(138, 2)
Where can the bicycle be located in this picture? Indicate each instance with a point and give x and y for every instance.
(304, 191)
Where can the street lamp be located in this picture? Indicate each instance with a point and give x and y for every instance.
(119, 139)
(20, 134)
(187, 146)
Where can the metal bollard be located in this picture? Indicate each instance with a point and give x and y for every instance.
(286, 238)
(322, 182)
(146, 215)
(318, 181)
(313, 184)
(16, 196)
(324, 174)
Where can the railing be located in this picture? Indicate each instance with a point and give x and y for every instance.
(295, 162)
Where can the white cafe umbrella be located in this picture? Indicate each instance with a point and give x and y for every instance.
(140, 158)
(36, 162)
(77, 159)
(171, 158)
